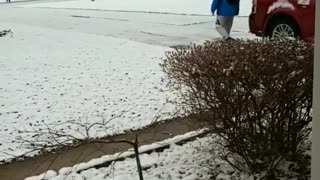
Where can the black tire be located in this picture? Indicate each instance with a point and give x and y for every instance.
(284, 23)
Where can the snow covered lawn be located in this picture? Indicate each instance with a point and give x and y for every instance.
(199, 7)
(51, 77)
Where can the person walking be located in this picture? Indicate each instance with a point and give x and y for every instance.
(226, 10)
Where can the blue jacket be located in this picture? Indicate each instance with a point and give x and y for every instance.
(224, 8)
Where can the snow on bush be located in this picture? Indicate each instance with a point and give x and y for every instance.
(257, 95)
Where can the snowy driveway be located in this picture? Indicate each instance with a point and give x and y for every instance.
(156, 29)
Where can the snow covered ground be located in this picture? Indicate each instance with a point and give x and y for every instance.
(51, 77)
(198, 7)
(195, 160)
(190, 161)
(4, 1)
(64, 64)
(155, 29)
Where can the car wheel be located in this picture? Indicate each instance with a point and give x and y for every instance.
(283, 28)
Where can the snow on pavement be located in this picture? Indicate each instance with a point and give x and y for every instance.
(4, 1)
(198, 7)
(50, 77)
(155, 29)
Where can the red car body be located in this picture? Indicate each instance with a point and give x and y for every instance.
(267, 16)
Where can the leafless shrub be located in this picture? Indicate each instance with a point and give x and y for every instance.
(256, 94)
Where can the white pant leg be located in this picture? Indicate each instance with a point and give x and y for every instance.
(224, 25)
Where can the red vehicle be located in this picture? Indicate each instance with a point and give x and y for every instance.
(283, 18)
